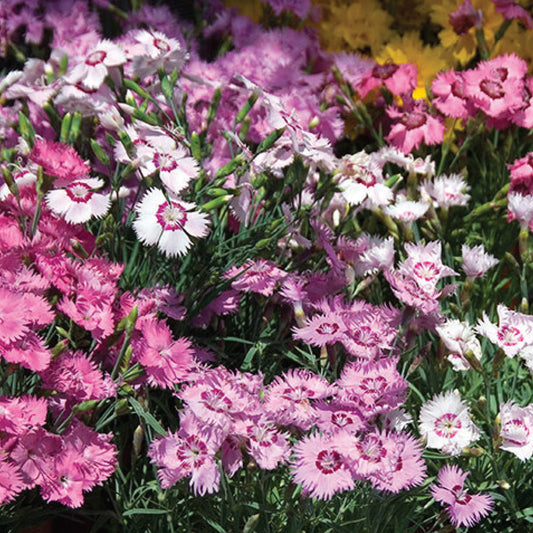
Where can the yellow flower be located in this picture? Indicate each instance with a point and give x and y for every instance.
(357, 25)
(410, 49)
(463, 47)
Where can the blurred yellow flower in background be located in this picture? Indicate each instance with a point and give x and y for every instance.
(463, 47)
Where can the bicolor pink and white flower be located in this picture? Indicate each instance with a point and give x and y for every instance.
(93, 69)
(445, 423)
(169, 224)
(77, 202)
(460, 339)
(516, 430)
(513, 332)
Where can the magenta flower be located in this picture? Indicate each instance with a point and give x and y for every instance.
(59, 160)
(320, 468)
(463, 509)
(465, 17)
(413, 125)
(511, 10)
(260, 276)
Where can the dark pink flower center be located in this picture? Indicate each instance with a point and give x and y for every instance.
(365, 177)
(328, 461)
(171, 217)
(375, 385)
(458, 88)
(447, 425)
(493, 89)
(384, 72)
(516, 432)
(96, 58)
(413, 120)
(327, 328)
(365, 336)
(509, 335)
(216, 400)
(371, 449)
(426, 270)
(79, 192)
(165, 162)
(341, 419)
(161, 45)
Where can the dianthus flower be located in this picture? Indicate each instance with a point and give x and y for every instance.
(446, 425)
(464, 509)
(450, 99)
(513, 332)
(447, 191)
(78, 202)
(167, 361)
(190, 452)
(516, 431)
(260, 276)
(320, 468)
(371, 387)
(402, 465)
(59, 160)
(476, 261)
(459, 338)
(496, 86)
(92, 71)
(413, 125)
(169, 224)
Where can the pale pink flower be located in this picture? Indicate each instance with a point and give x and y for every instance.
(371, 387)
(521, 209)
(168, 224)
(156, 51)
(446, 425)
(459, 338)
(447, 191)
(259, 275)
(190, 452)
(512, 334)
(321, 330)
(476, 261)
(464, 509)
(78, 202)
(516, 431)
(402, 466)
(496, 86)
(267, 445)
(406, 210)
(320, 468)
(92, 71)
(290, 397)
